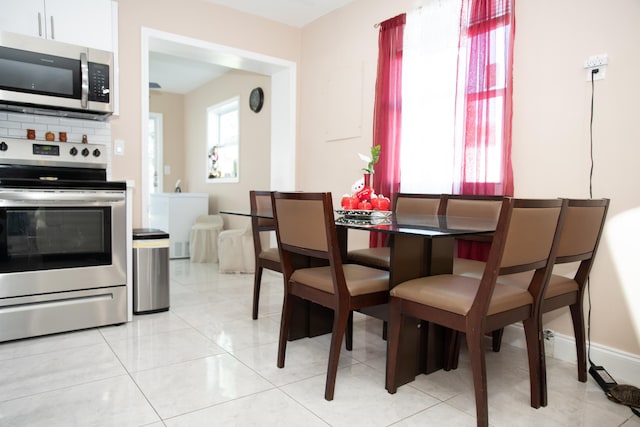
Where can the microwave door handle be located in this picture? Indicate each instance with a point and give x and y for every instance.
(84, 69)
(39, 24)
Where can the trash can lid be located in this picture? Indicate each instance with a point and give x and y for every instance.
(149, 233)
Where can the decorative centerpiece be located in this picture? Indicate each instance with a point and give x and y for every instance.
(363, 197)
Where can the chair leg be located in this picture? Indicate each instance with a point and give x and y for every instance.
(452, 349)
(285, 323)
(537, 363)
(577, 317)
(496, 339)
(479, 370)
(257, 279)
(340, 321)
(393, 343)
(349, 336)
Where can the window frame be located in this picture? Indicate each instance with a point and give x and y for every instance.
(215, 113)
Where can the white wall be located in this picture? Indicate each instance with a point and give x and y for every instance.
(550, 126)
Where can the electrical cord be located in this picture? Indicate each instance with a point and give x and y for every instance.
(593, 73)
(626, 395)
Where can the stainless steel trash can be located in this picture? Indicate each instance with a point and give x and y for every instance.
(150, 270)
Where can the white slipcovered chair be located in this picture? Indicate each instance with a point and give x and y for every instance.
(203, 240)
(235, 249)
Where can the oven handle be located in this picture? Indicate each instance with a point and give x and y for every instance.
(54, 197)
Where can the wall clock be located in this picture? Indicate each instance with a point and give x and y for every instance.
(256, 99)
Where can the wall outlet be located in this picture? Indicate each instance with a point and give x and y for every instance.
(600, 75)
(596, 61)
(548, 342)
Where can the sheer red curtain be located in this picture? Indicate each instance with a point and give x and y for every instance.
(388, 111)
(485, 117)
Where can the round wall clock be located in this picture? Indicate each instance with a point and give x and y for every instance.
(256, 99)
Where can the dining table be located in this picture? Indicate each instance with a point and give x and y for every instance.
(420, 245)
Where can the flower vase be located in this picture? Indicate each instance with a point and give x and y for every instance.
(367, 189)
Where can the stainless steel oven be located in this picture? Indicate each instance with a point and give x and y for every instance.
(62, 239)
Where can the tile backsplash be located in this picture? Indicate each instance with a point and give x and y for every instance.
(15, 125)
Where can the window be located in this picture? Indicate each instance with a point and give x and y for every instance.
(223, 141)
(456, 134)
(429, 78)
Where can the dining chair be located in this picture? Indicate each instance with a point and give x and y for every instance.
(405, 205)
(262, 223)
(525, 239)
(579, 241)
(313, 271)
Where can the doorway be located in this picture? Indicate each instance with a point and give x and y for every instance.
(283, 96)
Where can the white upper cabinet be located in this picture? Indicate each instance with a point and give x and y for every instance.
(81, 22)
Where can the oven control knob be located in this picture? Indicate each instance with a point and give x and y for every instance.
(3, 146)
(96, 153)
(73, 151)
(85, 152)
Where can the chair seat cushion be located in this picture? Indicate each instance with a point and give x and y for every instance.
(271, 254)
(375, 257)
(558, 284)
(456, 294)
(360, 279)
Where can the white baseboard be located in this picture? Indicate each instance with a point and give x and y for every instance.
(623, 367)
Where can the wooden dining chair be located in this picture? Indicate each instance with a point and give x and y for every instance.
(579, 241)
(262, 223)
(313, 271)
(525, 240)
(405, 205)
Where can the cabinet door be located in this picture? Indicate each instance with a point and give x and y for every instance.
(23, 17)
(81, 22)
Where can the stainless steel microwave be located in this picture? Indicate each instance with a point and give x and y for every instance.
(53, 78)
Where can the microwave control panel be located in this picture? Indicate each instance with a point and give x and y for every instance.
(98, 82)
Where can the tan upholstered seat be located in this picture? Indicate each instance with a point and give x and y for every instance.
(313, 271)
(525, 239)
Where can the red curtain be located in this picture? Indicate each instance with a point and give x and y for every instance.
(485, 163)
(388, 111)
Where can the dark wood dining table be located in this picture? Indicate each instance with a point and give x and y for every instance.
(420, 245)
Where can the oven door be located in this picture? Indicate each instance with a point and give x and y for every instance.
(62, 240)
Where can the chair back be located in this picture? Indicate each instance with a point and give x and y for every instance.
(486, 207)
(416, 204)
(526, 239)
(582, 229)
(304, 223)
(261, 216)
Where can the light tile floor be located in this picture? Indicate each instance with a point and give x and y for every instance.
(206, 363)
